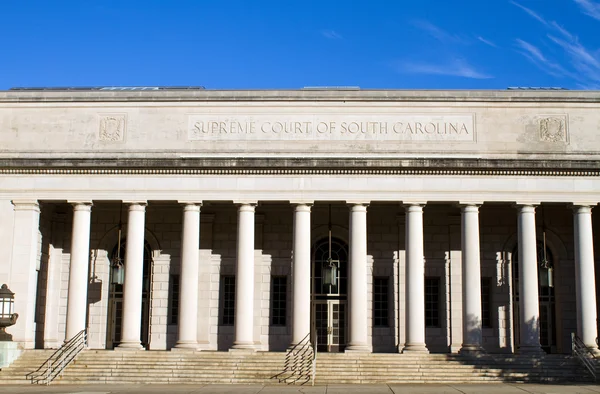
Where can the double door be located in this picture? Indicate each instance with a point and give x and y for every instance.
(329, 320)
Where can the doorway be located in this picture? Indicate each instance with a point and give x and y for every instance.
(329, 294)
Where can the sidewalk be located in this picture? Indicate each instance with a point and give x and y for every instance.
(330, 389)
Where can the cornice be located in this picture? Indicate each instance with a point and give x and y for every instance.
(339, 95)
(287, 166)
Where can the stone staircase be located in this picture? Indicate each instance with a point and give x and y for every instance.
(107, 366)
(29, 361)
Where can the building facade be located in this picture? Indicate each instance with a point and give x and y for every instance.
(382, 221)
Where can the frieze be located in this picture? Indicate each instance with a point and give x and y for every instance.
(385, 127)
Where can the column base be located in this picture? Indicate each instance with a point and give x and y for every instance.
(471, 350)
(128, 346)
(531, 351)
(185, 347)
(357, 349)
(243, 346)
(594, 350)
(415, 348)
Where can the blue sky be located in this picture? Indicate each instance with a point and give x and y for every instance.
(238, 44)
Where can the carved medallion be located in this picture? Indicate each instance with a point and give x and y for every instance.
(112, 128)
(553, 129)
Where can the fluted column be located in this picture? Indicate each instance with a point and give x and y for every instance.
(244, 281)
(357, 289)
(301, 274)
(415, 280)
(188, 289)
(528, 282)
(585, 282)
(78, 269)
(134, 277)
(471, 280)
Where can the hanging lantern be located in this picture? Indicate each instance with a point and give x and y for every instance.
(117, 271)
(330, 272)
(117, 264)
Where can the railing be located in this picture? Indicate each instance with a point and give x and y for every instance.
(59, 360)
(583, 353)
(314, 360)
(300, 363)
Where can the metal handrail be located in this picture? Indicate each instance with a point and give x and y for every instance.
(298, 365)
(584, 354)
(314, 360)
(59, 360)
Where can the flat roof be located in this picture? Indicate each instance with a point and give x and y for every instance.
(313, 94)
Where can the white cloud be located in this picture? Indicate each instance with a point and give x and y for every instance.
(438, 33)
(487, 42)
(579, 54)
(331, 34)
(581, 65)
(531, 13)
(531, 50)
(455, 67)
(590, 8)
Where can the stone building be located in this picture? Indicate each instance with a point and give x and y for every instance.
(384, 221)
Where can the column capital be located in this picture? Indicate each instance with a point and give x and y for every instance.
(302, 207)
(469, 207)
(575, 206)
(135, 202)
(409, 203)
(137, 207)
(525, 204)
(414, 207)
(358, 207)
(81, 205)
(190, 202)
(358, 202)
(302, 202)
(463, 204)
(245, 202)
(26, 205)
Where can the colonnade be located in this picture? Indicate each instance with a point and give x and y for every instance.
(301, 261)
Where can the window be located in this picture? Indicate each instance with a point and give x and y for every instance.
(380, 302)
(228, 303)
(278, 300)
(432, 302)
(174, 304)
(486, 302)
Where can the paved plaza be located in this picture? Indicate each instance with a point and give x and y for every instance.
(327, 389)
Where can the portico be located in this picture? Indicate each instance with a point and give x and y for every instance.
(228, 236)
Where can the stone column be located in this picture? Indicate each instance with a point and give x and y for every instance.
(471, 280)
(23, 269)
(415, 280)
(188, 289)
(78, 269)
(244, 280)
(301, 274)
(134, 277)
(357, 278)
(585, 282)
(528, 282)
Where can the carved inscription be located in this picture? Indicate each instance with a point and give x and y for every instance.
(553, 129)
(304, 127)
(112, 127)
